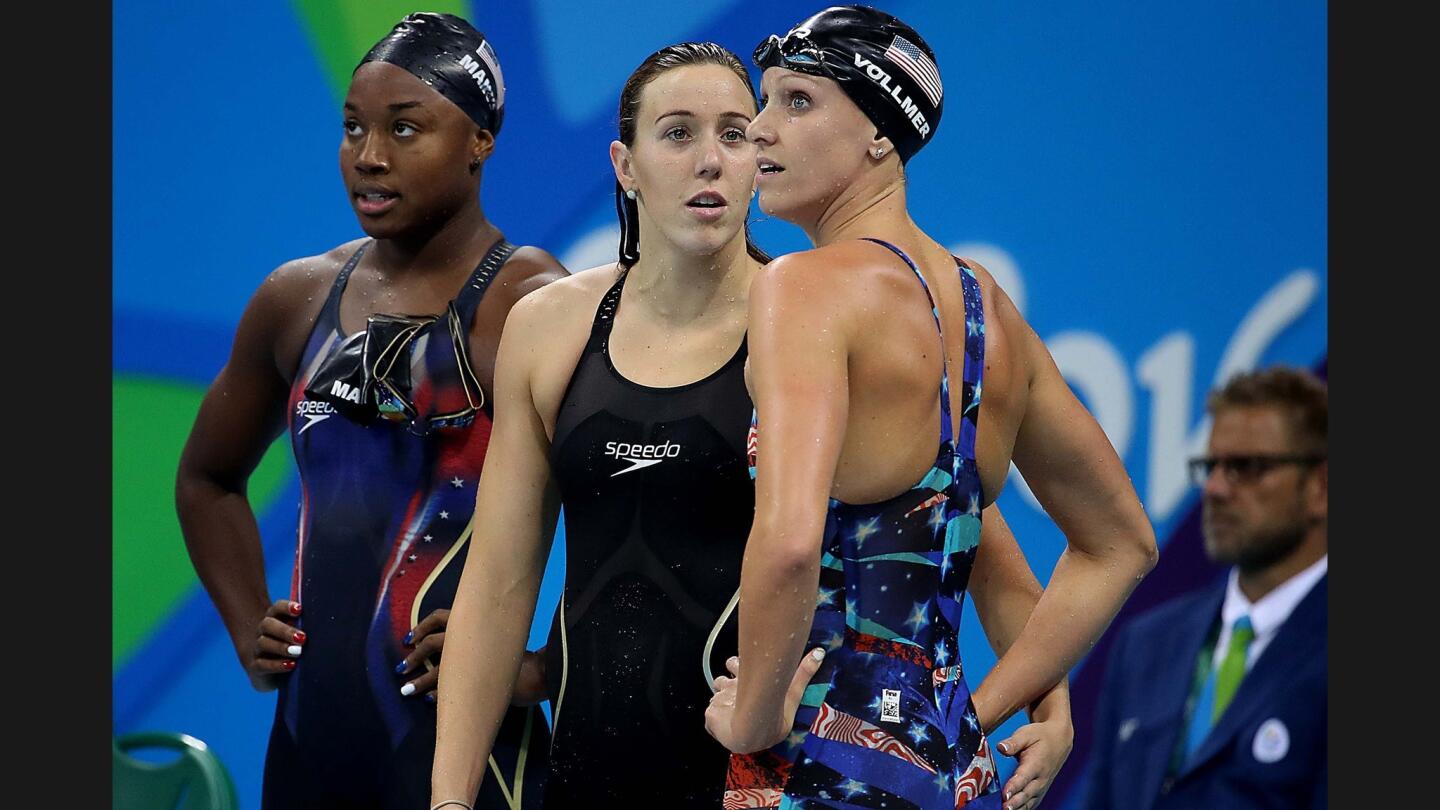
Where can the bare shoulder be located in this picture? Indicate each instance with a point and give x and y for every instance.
(546, 333)
(295, 286)
(565, 299)
(294, 292)
(281, 313)
(529, 269)
(854, 280)
(813, 275)
(848, 256)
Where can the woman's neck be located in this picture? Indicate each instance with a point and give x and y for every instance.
(454, 244)
(680, 287)
(867, 211)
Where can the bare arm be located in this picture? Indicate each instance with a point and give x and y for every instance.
(241, 414)
(528, 270)
(516, 506)
(1074, 472)
(1005, 592)
(800, 380)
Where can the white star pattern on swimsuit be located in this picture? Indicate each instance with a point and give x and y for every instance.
(937, 517)
(864, 530)
(919, 617)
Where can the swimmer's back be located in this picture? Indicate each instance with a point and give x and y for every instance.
(894, 363)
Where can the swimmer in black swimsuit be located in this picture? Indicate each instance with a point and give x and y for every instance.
(621, 394)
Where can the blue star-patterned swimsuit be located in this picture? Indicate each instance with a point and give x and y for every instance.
(887, 721)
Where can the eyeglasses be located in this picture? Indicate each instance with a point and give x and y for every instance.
(796, 53)
(1242, 469)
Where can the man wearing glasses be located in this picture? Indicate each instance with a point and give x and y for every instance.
(1217, 699)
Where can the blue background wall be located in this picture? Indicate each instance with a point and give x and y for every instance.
(1148, 182)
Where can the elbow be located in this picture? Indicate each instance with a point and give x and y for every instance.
(186, 485)
(1128, 550)
(1136, 545)
(191, 485)
(1144, 550)
(198, 490)
(785, 559)
(786, 548)
(1152, 555)
(1146, 562)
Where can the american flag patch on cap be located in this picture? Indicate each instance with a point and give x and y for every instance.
(903, 53)
(487, 55)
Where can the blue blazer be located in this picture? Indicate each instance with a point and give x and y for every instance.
(1268, 750)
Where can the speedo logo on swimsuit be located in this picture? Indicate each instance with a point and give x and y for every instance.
(641, 456)
(878, 75)
(314, 413)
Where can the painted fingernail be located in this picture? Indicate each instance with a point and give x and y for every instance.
(410, 636)
(295, 650)
(818, 654)
(294, 608)
(408, 689)
(298, 636)
(287, 665)
(401, 667)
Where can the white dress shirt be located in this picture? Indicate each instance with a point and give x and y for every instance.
(1268, 614)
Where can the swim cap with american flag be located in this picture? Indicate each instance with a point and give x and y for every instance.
(882, 64)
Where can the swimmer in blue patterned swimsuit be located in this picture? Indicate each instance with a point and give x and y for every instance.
(869, 495)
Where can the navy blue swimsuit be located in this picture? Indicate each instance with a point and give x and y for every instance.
(385, 521)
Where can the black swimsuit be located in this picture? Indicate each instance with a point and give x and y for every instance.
(658, 503)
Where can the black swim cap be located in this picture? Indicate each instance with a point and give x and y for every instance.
(447, 53)
(881, 63)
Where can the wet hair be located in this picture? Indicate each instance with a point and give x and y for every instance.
(656, 64)
(1301, 395)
